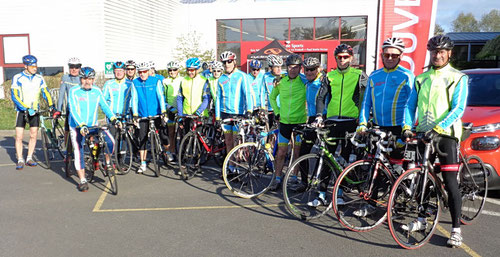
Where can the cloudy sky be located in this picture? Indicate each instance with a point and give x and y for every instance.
(448, 10)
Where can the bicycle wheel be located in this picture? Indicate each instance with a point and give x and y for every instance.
(154, 153)
(110, 173)
(301, 185)
(58, 136)
(361, 205)
(473, 184)
(45, 147)
(68, 159)
(405, 207)
(123, 154)
(248, 170)
(89, 168)
(207, 131)
(189, 156)
(220, 147)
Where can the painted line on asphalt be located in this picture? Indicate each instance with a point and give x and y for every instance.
(493, 201)
(465, 247)
(7, 164)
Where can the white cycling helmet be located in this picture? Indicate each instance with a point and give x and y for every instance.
(311, 62)
(274, 60)
(142, 66)
(217, 65)
(151, 64)
(74, 61)
(227, 55)
(173, 65)
(394, 42)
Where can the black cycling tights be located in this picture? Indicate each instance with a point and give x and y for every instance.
(454, 197)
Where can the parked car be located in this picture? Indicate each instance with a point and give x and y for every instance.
(483, 111)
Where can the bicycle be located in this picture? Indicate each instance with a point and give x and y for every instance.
(420, 193)
(52, 138)
(361, 191)
(94, 158)
(305, 175)
(248, 169)
(125, 150)
(155, 144)
(212, 139)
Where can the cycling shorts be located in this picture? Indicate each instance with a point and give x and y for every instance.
(285, 134)
(34, 120)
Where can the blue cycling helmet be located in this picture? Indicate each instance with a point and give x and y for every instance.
(29, 60)
(256, 64)
(119, 65)
(193, 63)
(87, 72)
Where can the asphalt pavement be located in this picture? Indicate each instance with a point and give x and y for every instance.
(43, 214)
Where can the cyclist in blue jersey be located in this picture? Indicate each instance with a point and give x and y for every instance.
(118, 93)
(83, 103)
(207, 69)
(256, 80)
(152, 71)
(26, 89)
(386, 96)
(274, 62)
(234, 95)
(67, 82)
(150, 102)
(130, 70)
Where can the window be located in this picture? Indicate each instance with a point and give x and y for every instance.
(327, 28)
(228, 30)
(301, 28)
(233, 47)
(277, 29)
(253, 30)
(474, 50)
(353, 27)
(460, 52)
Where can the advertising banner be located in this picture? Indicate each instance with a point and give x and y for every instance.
(412, 21)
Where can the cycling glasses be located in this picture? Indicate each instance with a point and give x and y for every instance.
(310, 69)
(228, 61)
(217, 70)
(340, 57)
(143, 71)
(75, 66)
(253, 69)
(393, 56)
(191, 69)
(173, 70)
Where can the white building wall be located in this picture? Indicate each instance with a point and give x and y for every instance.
(202, 17)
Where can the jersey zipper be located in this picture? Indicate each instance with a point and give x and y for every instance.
(341, 95)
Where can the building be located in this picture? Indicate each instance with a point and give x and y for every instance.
(469, 44)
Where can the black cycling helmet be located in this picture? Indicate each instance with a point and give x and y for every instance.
(293, 59)
(343, 48)
(440, 42)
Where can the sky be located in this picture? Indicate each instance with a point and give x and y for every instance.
(448, 10)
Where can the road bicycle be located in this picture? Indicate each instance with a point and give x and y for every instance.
(52, 135)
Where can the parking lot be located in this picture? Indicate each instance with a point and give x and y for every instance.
(43, 214)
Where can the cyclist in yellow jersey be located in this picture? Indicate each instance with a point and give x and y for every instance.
(171, 85)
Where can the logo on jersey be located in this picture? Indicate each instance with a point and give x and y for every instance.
(273, 51)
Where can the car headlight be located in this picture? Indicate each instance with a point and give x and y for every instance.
(486, 128)
(485, 143)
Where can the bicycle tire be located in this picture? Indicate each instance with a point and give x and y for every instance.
(352, 186)
(58, 136)
(111, 175)
(248, 171)
(189, 156)
(68, 158)
(298, 192)
(89, 169)
(206, 132)
(45, 149)
(123, 154)
(473, 184)
(220, 147)
(403, 208)
(154, 154)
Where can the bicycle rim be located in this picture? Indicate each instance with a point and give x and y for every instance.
(404, 208)
(301, 186)
(189, 159)
(45, 148)
(123, 154)
(154, 155)
(248, 170)
(473, 184)
(58, 137)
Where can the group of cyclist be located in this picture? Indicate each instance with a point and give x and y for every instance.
(345, 98)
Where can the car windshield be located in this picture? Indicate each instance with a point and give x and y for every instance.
(484, 90)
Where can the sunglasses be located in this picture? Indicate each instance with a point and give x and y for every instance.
(217, 70)
(255, 69)
(191, 70)
(173, 70)
(393, 56)
(310, 69)
(130, 68)
(143, 71)
(75, 66)
(340, 57)
(228, 61)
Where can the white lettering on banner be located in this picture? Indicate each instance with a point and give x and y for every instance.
(410, 61)
(413, 19)
(407, 3)
(410, 36)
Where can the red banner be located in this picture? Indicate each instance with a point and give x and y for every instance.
(412, 21)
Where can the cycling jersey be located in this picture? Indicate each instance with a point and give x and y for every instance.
(234, 94)
(159, 77)
(386, 96)
(206, 73)
(292, 94)
(193, 96)
(256, 85)
(312, 90)
(171, 88)
(26, 89)
(67, 82)
(118, 95)
(344, 88)
(83, 106)
(150, 100)
(440, 96)
(265, 91)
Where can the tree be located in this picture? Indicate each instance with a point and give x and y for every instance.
(188, 46)
(492, 48)
(465, 23)
(490, 22)
(438, 30)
